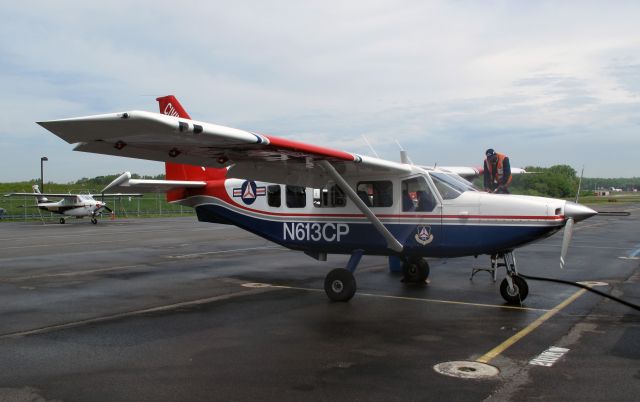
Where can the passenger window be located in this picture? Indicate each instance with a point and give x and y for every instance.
(329, 196)
(296, 196)
(375, 193)
(273, 195)
(416, 195)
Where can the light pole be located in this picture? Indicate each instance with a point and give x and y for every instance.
(44, 158)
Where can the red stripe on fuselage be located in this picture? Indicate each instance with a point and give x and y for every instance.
(278, 142)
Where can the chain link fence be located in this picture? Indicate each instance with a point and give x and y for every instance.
(24, 208)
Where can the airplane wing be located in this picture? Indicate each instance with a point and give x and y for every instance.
(158, 137)
(118, 195)
(471, 173)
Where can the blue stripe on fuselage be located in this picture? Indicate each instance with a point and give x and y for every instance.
(451, 240)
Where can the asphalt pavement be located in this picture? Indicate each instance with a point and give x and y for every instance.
(177, 310)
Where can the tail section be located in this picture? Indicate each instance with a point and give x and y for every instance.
(169, 105)
(41, 198)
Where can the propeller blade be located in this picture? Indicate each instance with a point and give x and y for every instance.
(566, 239)
(107, 208)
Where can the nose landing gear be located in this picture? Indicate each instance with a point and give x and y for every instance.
(513, 288)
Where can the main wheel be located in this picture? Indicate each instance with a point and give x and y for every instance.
(62, 221)
(94, 220)
(340, 285)
(415, 270)
(519, 292)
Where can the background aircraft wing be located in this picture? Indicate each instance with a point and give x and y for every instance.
(153, 136)
(44, 195)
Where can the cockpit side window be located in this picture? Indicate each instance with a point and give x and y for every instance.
(448, 188)
(416, 195)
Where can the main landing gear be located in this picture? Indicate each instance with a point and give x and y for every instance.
(62, 221)
(513, 288)
(340, 284)
(415, 270)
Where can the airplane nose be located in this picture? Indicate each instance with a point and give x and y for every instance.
(577, 211)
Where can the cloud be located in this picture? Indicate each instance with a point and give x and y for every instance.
(447, 79)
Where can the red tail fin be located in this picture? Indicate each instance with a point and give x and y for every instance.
(169, 105)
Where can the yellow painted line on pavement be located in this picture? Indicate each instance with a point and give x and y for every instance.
(493, 353)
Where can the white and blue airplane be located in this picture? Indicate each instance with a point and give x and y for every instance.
(71, 205)
(324, 201)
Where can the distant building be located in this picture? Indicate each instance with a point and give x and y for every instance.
(601, 193)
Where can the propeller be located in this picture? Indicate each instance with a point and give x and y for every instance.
(574, 213)
(566, 239)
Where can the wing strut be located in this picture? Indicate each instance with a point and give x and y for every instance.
(392, 242)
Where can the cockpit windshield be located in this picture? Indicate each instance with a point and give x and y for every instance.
(450, 185)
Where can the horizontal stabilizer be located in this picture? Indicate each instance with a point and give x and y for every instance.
(160, 186)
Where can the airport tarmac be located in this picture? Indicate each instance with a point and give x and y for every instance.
(177, 310)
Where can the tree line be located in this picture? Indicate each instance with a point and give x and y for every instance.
(559, 181)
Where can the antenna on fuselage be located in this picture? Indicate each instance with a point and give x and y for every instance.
(579, 184)
(404, 156)
(369, 144)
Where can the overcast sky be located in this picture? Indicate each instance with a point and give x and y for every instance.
(546, 83)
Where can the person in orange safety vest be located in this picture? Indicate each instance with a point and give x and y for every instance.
(497, 172)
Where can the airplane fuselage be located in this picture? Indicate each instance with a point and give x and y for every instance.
(325, 221)
(78, 211)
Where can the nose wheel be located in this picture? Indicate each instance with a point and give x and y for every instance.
(94, 220)
(517, 292)
(514, 289)
(62, 221)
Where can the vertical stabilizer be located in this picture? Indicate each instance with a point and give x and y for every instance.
(40, 198)
(169, 105)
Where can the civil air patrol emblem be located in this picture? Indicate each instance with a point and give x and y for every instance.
(249, 191)
(424, 235)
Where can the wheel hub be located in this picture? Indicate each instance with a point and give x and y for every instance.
(337, 286)
(513, 291)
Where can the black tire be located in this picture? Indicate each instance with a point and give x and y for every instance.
(62, 221)
(340, 285)
(519, 293)
(415, 270)
(94, 220)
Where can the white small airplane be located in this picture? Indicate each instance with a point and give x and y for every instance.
(321, 200)
(75, 205)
